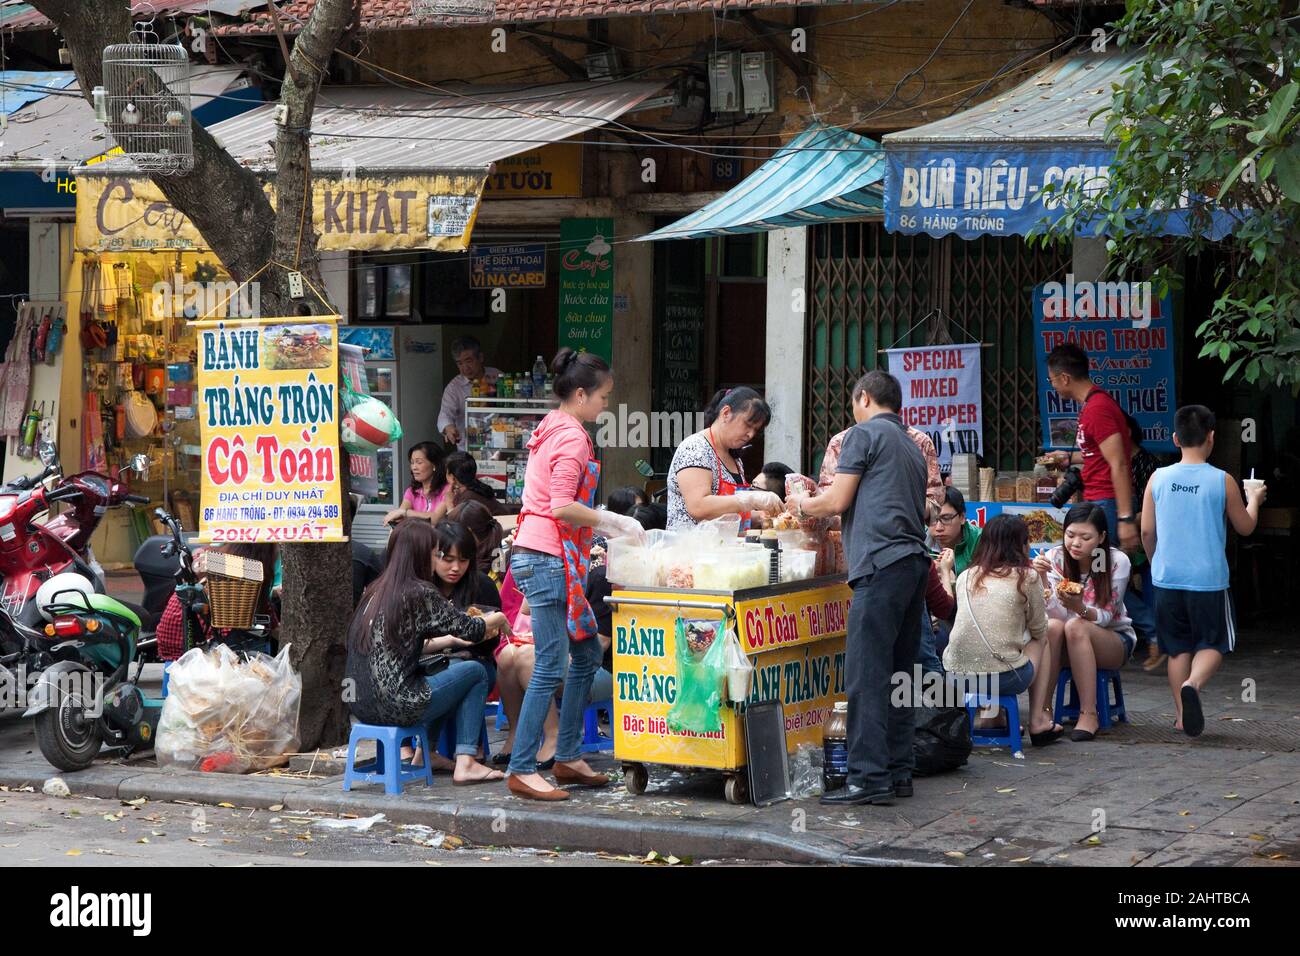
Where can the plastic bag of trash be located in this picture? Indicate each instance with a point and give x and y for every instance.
(228, 715)
(806, 771)
(701, 669)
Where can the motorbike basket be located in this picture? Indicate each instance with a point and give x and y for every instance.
(233, 584)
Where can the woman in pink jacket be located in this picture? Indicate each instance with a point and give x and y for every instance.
(552, 551)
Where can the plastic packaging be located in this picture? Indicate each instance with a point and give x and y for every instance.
(701, 669)
(223, 714)
(806, 772)
(740, 669)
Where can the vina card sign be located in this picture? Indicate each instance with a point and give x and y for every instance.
(269, 411)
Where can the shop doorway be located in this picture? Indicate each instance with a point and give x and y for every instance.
(710, 327)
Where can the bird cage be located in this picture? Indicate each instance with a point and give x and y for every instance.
(147, 93)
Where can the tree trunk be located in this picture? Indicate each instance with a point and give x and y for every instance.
(228, 206)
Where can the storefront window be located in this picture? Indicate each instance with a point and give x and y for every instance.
(384, 291)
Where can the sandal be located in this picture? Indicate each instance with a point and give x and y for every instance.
(1045, 737)
(1152, 663)
(1193, 715)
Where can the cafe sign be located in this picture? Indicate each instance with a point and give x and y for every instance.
(434, 211)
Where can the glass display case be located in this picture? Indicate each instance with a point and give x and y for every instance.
(497, 431)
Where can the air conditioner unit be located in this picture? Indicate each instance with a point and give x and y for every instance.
(724, 82)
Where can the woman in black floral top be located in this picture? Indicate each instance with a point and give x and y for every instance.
(403, 615)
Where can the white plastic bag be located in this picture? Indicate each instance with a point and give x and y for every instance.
(228, 715)
(740, 669)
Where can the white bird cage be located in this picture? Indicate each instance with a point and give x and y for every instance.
(147, 86)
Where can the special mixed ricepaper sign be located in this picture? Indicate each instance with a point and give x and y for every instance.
(269, 411)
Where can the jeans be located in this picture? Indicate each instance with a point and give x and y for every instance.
(1140, 604)
(461, 690)
(883, 637)
(541, 579)
(928, 656)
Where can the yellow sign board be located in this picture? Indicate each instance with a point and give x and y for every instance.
(549, 172)
(269, 410)
(796, 641)
(435, 211)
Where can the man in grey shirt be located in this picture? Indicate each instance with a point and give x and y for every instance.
(879, 487)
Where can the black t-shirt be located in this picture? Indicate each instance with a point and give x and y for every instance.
(486, 597)
(598, 588)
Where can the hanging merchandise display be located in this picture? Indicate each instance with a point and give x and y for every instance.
(16, 377)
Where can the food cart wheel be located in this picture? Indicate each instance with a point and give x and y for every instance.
(635, 778)
(737, 789)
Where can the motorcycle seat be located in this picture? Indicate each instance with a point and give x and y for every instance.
(147, 620)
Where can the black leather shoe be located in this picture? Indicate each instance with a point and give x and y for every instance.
(903, 788)
(851, 796)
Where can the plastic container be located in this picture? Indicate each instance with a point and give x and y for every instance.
(629, 564)
(797, 564)
(732, 569)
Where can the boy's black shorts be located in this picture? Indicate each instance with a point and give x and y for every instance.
(1191, 621)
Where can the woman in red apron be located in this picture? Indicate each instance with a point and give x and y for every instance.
(552, 551)
(706, 479)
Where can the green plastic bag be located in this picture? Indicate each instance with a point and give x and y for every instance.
(701, 669)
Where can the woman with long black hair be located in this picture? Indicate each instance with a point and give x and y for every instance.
(549, 563)
(402, 616)
(1001, 628)
(1089, 628)
(706, 478)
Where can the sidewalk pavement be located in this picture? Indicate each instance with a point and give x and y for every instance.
(1141, 794)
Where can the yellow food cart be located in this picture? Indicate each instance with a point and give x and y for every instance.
(794, 634)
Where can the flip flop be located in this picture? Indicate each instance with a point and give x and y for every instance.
(1193, 716)
(471, 783)
(1152, 663)
(1045, 737)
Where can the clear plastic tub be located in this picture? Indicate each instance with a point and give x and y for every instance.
(732, 569)
(797, 565)
(629, 564)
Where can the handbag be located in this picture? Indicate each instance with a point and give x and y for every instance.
(970, 608)
(433, 664)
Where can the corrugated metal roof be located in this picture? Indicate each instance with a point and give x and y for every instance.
(389, 129)
(824, 174)
(62, 128)
(1053, 106)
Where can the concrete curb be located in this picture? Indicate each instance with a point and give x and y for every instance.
(517, 824)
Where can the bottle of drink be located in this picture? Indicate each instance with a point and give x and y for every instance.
(526, 387)
(539, 378)
(550, 384)
(835, 748)
(516, 386)
(501, 385)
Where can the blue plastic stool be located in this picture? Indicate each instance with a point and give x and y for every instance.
(502, 723)
(1011, 737)
(447, 738)
(1108, 711)
(387, 767)
(166, 678)
(592, 740)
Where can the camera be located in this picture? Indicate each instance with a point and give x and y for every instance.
(1070, 486)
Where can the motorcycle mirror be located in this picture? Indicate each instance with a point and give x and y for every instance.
(49, 454)
(140, 465)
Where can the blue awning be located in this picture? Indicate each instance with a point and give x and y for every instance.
(822, 175)
(981, 172)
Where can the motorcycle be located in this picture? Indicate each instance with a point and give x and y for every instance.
(90, 697)
(32, 553)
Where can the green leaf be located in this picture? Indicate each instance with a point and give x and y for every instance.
(1232, 369)
(1279, 108)
(1288, 172)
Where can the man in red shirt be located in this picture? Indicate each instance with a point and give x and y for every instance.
(1105, 447)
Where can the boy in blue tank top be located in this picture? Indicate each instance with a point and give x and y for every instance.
(1184, 532)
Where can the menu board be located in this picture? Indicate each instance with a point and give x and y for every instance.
(679, 350)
